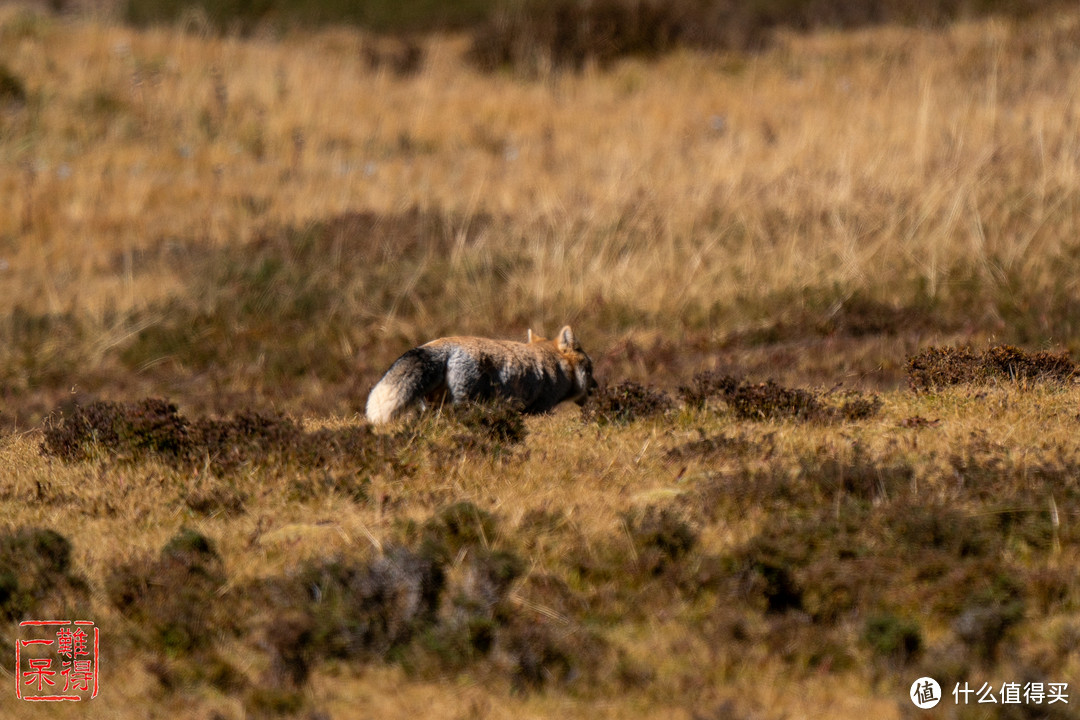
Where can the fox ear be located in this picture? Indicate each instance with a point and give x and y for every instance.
(567, 341)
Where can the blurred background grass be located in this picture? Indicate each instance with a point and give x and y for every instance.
(707, 23)
(273, 219)
(382, 16)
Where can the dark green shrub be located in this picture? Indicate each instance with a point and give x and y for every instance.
(893, 638)
(12, 89)
(36, 573)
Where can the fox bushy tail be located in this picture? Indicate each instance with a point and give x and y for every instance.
(413, 376)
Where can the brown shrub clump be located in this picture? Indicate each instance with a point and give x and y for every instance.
(440, 603)
(488, 428)
(938, 367)
(707, 384)
(154, 428)
(623, 403)
(172, 597)
(661, 537)
(771, 401)
(568, 34)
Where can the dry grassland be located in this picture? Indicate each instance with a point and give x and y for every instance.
(258, 226)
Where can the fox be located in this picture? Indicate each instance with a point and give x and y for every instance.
(538, 374)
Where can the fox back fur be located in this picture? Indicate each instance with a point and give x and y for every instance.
(539, 374)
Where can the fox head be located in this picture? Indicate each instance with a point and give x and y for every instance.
(570, 349)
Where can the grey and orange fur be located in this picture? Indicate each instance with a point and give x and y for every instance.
(539, 374)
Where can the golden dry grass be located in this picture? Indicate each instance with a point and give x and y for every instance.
(114, 512)
(814, 213)
(871, 160)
